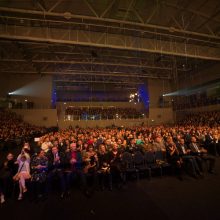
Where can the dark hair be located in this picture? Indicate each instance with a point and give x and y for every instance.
(23, 156)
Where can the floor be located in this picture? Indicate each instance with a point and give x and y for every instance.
(158, 198)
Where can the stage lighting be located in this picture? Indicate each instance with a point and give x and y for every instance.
(134, 97)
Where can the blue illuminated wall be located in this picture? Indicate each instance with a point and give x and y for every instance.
(53, 95)
(144, 95)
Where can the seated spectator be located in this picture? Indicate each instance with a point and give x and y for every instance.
(116, 166)
(201, 155)
(39, 167)
(46, 145)
(158, 144)
(56, 162)
(23, 173)
(173, 156)
(184, 153)
(7, 170)
(74, 164)
(104, 167)
(90, 160)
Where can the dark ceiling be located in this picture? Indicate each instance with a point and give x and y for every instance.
(108, 41)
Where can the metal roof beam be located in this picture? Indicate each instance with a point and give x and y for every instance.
(88, 73)
(113, 41)
(207, 20)
(55, 5)
(108, 20)
(88, 63)
(112, 2)
(91, 8)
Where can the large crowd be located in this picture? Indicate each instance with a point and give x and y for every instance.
(97, 113)
(202, 119)
(12, 127)
(99, 159)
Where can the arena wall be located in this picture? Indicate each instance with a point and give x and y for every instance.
(48, 117)
(103, 123)
(161, 116)
(39, 117)
(156, 89)
(63, 105)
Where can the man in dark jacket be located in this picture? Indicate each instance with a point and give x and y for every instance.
(201, 155)
(56, 162)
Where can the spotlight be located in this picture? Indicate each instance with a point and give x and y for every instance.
(134, 97)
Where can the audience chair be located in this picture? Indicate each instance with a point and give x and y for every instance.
(129, 167)
(151, 162)
(139, 163)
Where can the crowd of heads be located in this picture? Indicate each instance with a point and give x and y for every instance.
(98, 153)
(211, 119)
(13, 127)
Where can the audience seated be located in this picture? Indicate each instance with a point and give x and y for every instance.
(23, 173)
(202, 119)
(8, 169)
(94, 156)
(14, 130)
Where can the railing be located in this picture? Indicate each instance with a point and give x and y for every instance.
(102, 117)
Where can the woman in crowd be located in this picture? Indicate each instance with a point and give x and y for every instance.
(90, 160)
(115, 164)
(173, 156)
(104, 167)
(23, 173)
(39, 166)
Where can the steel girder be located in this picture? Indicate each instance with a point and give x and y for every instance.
(164, 42)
